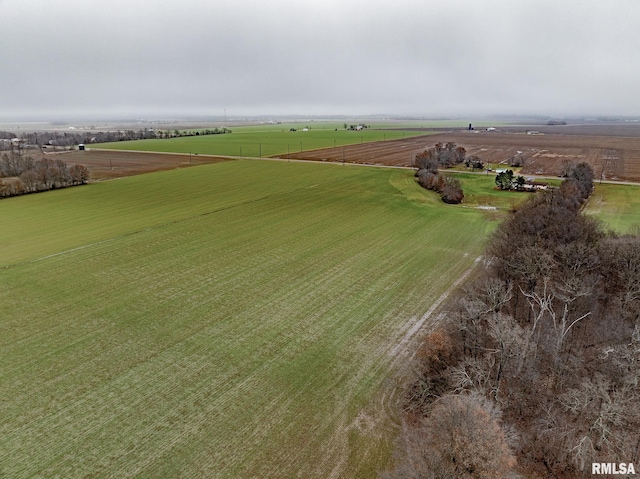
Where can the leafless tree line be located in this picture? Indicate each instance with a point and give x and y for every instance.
(30, 176)
(444, 156)
(428, 176)
(544, 346)
(70, 138)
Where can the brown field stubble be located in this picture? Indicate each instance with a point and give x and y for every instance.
(106, 164)
(614, 153)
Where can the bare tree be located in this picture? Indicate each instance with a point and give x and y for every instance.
(79, 174)
(462, 438)
(600, 412)
(566, 167)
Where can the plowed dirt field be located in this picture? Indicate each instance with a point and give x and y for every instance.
(614, 153)
(104, 164)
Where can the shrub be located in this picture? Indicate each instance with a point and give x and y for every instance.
(452, 192)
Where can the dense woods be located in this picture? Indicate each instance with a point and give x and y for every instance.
(24, 175)
(535, 369)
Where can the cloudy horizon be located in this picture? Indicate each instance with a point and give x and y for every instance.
(247, 58)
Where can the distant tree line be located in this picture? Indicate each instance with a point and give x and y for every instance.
(428, 176)
(535, 369)
(71, 138)
(27, 175)
(444, 156)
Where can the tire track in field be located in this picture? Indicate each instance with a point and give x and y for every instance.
(403, 347)
(368, 420)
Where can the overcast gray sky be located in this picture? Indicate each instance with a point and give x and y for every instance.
(157, 58)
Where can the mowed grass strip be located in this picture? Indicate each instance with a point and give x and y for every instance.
(231, 320)
(261, 142)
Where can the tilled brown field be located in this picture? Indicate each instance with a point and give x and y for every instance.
(104, 164)
(391, 153)
(612, 154)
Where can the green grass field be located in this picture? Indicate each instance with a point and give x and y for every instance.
(232, 320)
(479, 191)
(618, 206)
(266, 140)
